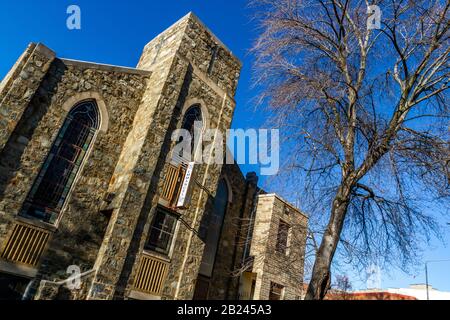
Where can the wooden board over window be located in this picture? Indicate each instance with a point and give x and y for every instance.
(276, 291)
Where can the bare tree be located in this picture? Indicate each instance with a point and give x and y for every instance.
(343, 287)
(365, 112)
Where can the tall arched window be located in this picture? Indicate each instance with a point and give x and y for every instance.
(51, 188)
(192, 115)
(216, 220)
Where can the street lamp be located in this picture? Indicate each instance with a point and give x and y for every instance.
(426, 272)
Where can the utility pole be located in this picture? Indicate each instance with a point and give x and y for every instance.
(426, 279)
(426, 273)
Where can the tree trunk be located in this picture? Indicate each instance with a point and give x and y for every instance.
(321, 277)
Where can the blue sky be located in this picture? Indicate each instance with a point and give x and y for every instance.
(115, 32)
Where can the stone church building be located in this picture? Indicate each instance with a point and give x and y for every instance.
(90, 191)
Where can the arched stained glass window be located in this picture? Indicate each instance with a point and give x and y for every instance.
(216, 220)
(51, 188)
(192, 115)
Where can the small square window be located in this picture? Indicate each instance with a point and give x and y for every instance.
(287, 210)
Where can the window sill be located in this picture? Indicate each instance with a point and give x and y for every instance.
(139, 295)
(17, 269)
(157, 255)
(282, 254)
(163, 202)
(37, 223)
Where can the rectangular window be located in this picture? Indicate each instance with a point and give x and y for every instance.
(276, 291)
(282, 237)
(162, 231)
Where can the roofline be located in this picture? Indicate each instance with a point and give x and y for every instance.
(108, 67)
(192, 15)
(284, 201)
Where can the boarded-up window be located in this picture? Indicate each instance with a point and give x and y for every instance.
(276, 291)
(282, 237)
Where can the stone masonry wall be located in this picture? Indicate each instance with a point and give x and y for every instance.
(126, 163)
(81, 228)
(198, 47)
(19, 86)
(135, 174)
(224, 284)
(188, 251)
(218, 107)
(273, 266)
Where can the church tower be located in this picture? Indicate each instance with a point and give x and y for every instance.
(193, 76)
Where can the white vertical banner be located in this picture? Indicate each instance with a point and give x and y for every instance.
(186, 186)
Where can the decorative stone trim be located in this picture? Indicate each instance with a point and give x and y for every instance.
(205, 114)
(90, 95)
(229, 186)
(204, 77)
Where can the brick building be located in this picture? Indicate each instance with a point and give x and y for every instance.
(368, 295)
(89, 184)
